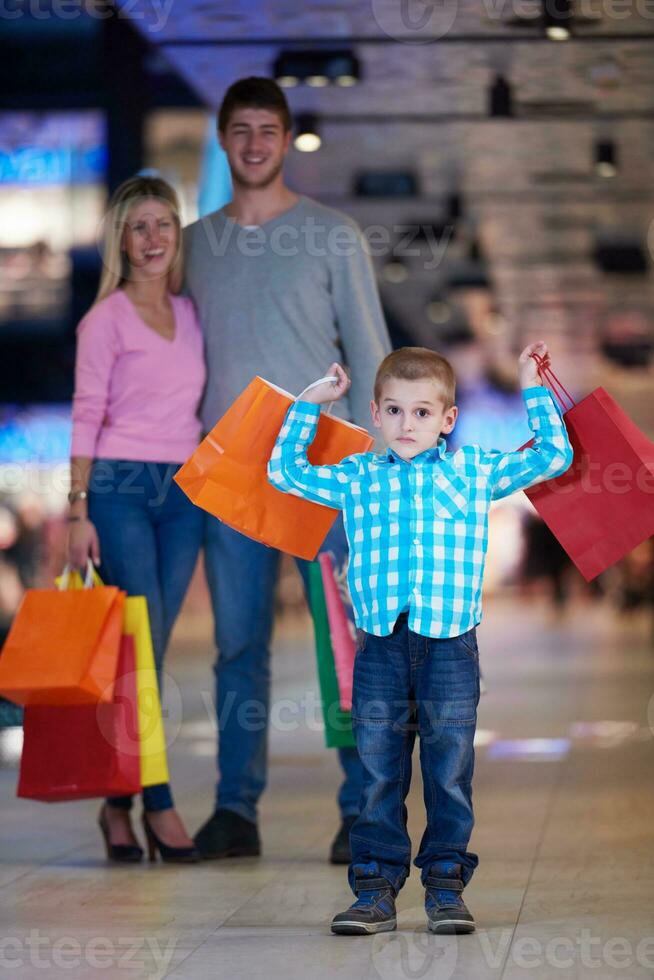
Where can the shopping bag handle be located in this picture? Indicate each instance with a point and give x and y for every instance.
(314, 384)
(90, 579)
(548, 375)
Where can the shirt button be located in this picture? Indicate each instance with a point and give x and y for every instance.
(416, 540)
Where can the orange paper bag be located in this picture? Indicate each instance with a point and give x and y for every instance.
(63, 647)
(227, 473)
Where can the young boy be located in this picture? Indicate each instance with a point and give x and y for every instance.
(416, 518)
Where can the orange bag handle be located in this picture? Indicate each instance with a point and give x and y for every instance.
(548, 375)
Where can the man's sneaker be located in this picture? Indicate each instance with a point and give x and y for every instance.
(446, 910)
(228, 834)
(341, 852)
(373, 911)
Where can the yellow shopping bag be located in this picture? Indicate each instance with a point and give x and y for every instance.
(154, 764)
(136, 623)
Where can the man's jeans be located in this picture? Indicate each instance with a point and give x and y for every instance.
(241, 574)
(150, 537)
(406, 684)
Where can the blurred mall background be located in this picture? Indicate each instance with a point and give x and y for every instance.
(507, 156)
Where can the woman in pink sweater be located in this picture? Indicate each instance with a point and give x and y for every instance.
(138, 381)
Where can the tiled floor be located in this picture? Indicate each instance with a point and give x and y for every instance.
(564, 797)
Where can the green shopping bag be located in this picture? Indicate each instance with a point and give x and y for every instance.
(338, 723)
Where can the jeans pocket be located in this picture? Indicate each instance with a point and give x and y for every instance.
(469, 642)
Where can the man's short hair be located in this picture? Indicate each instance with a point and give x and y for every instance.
(417, 364)
(254, 93)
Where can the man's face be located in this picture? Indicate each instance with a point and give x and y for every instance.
(412, 416)
(255, 143)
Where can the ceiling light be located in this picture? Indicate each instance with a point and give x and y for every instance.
(317, 68)
(556, 32)
(307, 137)
(343, 68)
(395, 270)
(439, 312)
(287, 81)
(605, 159)
(557, 18)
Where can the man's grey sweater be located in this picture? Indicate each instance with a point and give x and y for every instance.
(284, 300)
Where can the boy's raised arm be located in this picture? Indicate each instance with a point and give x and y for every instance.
(549, 455)
(289, 469)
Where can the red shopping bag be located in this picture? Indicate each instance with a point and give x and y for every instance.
(603, 506)
(227, 474)
(343, 645)
(77, 752)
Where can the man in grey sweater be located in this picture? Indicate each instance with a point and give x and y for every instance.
(283, 286)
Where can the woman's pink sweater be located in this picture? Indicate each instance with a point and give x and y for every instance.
(136, 393)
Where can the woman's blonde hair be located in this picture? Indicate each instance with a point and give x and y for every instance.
(115, 266)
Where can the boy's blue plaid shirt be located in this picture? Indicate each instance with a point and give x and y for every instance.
(418, 530)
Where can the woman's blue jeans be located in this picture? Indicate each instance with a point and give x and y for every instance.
(150, 536)
(407, 685)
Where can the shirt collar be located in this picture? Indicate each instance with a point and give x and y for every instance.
(427, 456)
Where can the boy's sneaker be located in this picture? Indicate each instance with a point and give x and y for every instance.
(373, 911)
(446, 910)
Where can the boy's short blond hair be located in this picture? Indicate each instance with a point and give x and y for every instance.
(417, 364)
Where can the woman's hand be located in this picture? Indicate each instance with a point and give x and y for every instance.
(330, 391)
(83, 544)
(528, 366)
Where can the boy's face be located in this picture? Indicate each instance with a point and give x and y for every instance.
(412, 416)
(256, 143)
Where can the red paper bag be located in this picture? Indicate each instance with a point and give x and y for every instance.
(603, 506)
(77, 752)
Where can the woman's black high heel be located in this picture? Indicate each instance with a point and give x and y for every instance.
(171, 855)
(121, 853)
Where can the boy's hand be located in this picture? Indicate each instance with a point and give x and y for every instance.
(528, 367)
(330, 391)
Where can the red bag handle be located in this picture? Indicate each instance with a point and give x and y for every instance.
(548, 375)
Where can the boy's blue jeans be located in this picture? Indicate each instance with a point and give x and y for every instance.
(406, 684)
(150, 536)
(242, 574)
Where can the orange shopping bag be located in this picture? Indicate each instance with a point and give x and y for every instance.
(227, 473)
(63, 646)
